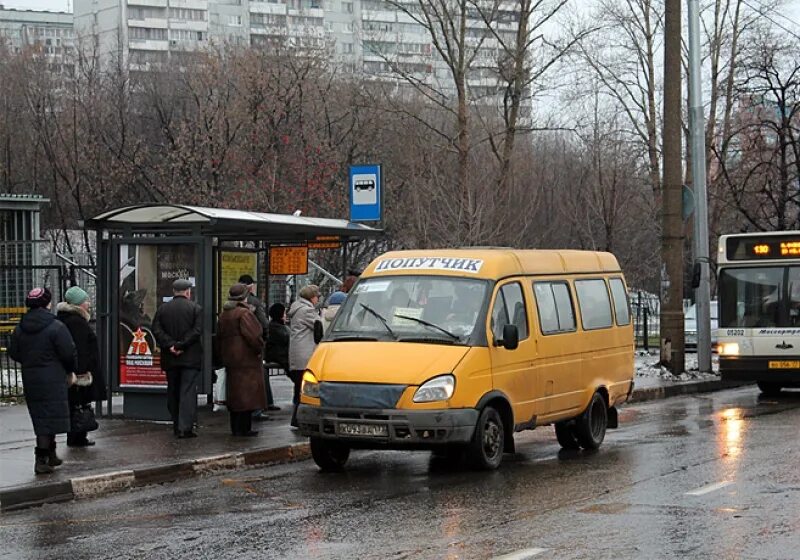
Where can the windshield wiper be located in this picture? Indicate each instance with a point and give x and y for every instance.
(429, 324)
(346, 337)
(380, 317)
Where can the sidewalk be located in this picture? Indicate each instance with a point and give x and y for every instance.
(131, 453)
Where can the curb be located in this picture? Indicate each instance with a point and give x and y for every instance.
(685, 388)
(84, 487)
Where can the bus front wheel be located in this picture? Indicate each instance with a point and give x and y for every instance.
(769, 389)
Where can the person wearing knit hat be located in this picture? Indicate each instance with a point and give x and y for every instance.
(76, 296)
(38, 298)
(75, 313)
(240, 344)
(46, 353)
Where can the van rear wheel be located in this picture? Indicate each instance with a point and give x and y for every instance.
(485, 451)
(330, 456)
(590, 427)
(565, 434)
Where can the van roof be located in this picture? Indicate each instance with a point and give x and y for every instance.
(492, 263)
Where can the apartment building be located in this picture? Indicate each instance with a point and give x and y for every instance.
(371, 38)
(50, 32)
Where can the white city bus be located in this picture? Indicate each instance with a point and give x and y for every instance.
(759, 309)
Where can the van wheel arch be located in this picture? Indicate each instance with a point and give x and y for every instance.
(499, 402)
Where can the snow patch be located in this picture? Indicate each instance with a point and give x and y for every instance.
(647, 365)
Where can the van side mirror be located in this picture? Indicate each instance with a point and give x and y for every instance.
(318, 331)
(510, 337)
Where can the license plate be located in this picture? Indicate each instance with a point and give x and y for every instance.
(375, 430)
(784, 364)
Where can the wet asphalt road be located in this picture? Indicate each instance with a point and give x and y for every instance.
(696, 477)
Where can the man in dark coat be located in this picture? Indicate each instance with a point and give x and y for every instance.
(75, 314)
(44, 348)
(240, 343)
(177, 327)
(258, 309)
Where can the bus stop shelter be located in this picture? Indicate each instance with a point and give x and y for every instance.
(143, 249)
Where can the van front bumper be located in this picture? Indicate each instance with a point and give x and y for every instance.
(400, 429)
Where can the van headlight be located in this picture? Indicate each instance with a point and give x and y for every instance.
(437, 389)
(310, 386)
(729, 349)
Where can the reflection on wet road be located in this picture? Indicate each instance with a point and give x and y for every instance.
(696, 477)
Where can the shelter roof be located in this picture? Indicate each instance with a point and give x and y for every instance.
(226, 223)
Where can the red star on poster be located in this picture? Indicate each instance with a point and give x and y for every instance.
(139, 346)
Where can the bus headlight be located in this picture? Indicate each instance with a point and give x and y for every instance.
(310, 386)
(729, 349)
(437, 389)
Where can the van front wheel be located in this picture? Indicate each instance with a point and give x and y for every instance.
(485, 451)
(565, 434)
(330, 456)
(590, 427)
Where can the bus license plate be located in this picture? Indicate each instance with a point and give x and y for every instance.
(374, 430)
(784, 364)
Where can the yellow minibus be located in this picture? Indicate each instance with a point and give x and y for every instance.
(456, 350)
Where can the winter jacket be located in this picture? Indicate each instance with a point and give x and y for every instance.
(278, 344)
(44, 348)
(240, 342)
(302, 317)
(76, 319)
(178, 323)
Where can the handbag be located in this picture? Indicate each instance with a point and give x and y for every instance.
(82, 419)
(220, 390)
(84, 379)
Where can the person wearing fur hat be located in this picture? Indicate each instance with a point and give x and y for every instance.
(302, 316)
(46, 352)
(240, 345)
(75, 313)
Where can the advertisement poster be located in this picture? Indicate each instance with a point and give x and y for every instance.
(146, 276)
(233, 264)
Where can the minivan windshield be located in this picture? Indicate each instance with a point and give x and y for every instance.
(412, 308)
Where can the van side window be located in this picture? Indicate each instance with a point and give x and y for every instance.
(621, 305)
(509, 309)
(554, 305)
(594, 304)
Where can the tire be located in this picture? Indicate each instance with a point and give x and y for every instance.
(590, 427)
(769, 389)
(330, 456)
(485, 451)
(565, 434)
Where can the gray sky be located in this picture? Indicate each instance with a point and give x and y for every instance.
(790, 10)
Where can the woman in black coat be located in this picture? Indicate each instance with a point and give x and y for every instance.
(75, 314)
(44, 348)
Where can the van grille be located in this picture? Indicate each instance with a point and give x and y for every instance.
(360, 395)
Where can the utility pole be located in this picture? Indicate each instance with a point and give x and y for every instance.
(701, 257)
(672, 341)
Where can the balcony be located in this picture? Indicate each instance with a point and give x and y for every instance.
(267, 8)
(308, 12)
(191, 4)
(148, 45)
(269, 31)
(190, 25)
(154, 23)
(152, 3)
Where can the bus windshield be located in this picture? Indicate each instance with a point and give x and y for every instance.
(435, 308)
(760, 297)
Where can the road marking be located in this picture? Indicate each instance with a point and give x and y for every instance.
(523, 554)
(710, 488)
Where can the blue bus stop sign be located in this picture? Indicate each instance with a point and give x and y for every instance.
(366, 200)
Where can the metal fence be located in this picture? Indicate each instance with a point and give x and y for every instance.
(15, 282)
(646, 310)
